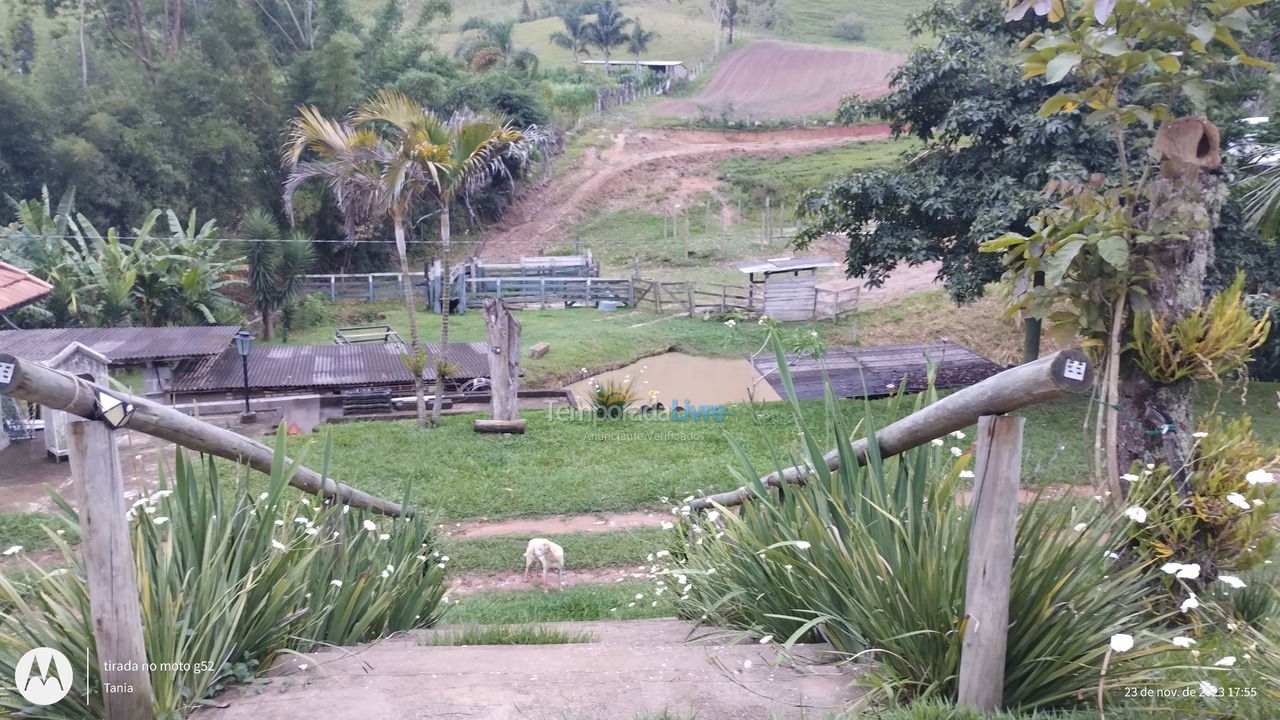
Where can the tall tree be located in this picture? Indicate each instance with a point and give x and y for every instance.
(608, 29)
(575, 37)
(390, 157)
(276, 266)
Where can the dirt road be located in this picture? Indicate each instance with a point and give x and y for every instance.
(538, 221)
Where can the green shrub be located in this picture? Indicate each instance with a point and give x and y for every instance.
(611, 400)
(1266, 357)
(312, 311)
(850, 28)
(873, 560)
(231, 579)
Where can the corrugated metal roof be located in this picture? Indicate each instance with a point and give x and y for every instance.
(19, 287)
(785, 264)
(121, 345)
(319, 366)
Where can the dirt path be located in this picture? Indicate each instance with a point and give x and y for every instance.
(467, 583)
(538, 221)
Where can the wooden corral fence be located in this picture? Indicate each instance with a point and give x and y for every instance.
(114, 604)
(997, 472)
(693, 298)
(834, 304)
(361, 287)
(544, 290)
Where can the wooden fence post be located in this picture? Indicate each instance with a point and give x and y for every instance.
(114, 608)
(991, 536)
(504, 369)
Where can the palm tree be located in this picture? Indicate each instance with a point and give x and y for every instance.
(390, 155)
(609, 28)
(492, 44)
(575, 38)
(639, 39)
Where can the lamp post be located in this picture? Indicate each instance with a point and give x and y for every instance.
(244, 340)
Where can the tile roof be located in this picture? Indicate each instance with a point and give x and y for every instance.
(19, 287)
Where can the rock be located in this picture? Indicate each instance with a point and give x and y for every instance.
(539, 350)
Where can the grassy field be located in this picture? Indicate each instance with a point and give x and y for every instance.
(588, 549)
(818, 21)
(619, 466)
(786, 177)
(579, 602)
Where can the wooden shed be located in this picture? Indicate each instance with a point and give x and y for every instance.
(77, 359)
(787, 285)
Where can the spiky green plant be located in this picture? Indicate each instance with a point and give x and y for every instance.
(873, 559)
(611, 400)
(228, 580)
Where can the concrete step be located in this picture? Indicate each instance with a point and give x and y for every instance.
(634, 669)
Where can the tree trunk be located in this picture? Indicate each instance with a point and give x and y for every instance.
(1156, 420)
(268, 327)
(446, 295)
(415, 344)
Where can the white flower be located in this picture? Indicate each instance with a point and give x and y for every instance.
(1227, 661)
(301, 520)
(766, 639)
(1232, 580)
(936, 442)
(391, 568)
(1199, 434)
(802, 545)
(639, 596)
(1129, 477)
(1259, 477)
(278, 545)
(336, 583)
(1081, 527)
(384, 536)
(1238, 500)
(713, 515)
(667, 526)
(1208, 688)
(730, 322)
(264, 496)
(1183, 641)
(368, 525)
(1137, 514)
(1190, 603)
(13, 550)
(160, 520)
(746, 664)
(663, 553)
(957, 451)
(966, 474)
(1186, 572)
(279, 523)
(1121, 642)
(312, 531)
(957, 435)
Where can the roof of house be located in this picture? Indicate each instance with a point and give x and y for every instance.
(785, 264)
(876, 371)
(19, 287)
(123, 346)
(323, 366)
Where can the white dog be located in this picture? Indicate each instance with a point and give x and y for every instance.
(550, 554)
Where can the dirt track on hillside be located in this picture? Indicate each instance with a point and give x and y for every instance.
(539, 221)
(770, 80)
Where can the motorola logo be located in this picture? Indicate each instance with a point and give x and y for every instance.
(43, 676)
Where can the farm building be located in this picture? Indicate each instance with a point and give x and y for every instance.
(787, 285)
(669, 68)
(19, 288)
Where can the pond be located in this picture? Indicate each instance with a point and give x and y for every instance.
(685, 379)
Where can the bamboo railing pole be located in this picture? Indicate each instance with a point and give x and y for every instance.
(1064, 373)
(33, 382)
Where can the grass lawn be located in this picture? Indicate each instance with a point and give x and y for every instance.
(615, 466)
(24, 529)
(579, 602)
(786, 177)
(580, 338)
(585, 549)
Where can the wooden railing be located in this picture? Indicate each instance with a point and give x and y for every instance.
(833, 304)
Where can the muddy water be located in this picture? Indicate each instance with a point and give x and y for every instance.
(687, 380)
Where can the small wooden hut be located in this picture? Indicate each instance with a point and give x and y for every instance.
(76, 359)
(787, 285)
